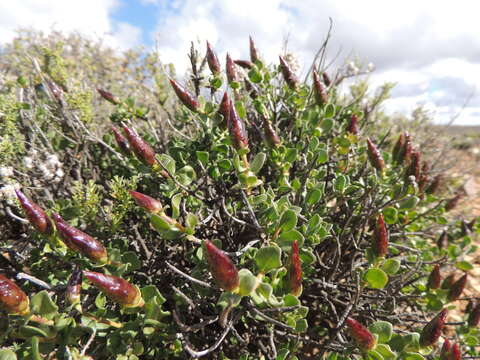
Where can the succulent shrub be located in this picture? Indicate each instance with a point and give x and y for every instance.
(269, 219)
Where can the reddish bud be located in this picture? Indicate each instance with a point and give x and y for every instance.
(432, 331)
(117, 289)
(353, 125)
(407, 148)
(294, 271)
(442, 242)
(35, 214)
(398, 149)
(223, 270)
(320, 92)
(374, 156)
(326, 79)
(455, 353)
(77, 240)
(12, 299)
(453, 202)
(362, 336)
(143, 151)
(446, 347)
(288, 74)
(457, 288)
(146, 202)
(237, 130)
(474, 316)
(414, 167)
(224, 110)
(185, 97)
(434, 185)
(232, 75)
(424, 178)
(74, 287)
(434, 279)
(253, 51)
(108, 96)
(448, 281)
(122, 142)
(270, 134)
(212, 60)
(380, 238)
(244, 64)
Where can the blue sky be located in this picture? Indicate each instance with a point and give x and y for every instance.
(430, 47)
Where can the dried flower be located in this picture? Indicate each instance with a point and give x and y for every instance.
(362, 336)
(146, 202)
(294, 271)
(12, 299)
(432, 331)
(185, 97)
(140, 147)
(35, 214)
(222, 268)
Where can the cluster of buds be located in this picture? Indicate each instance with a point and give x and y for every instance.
(12, 299)
(185, 97)
(321, 95)
(376, 159)
(294, 271)
(222, 268)
(288, 74)
(364, 339)
(450, 352)
(432, 331)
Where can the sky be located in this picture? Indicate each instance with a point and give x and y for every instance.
(431, 48)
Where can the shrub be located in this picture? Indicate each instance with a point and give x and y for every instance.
(275, 220)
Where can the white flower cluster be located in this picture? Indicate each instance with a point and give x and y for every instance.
(6, 172)
(293, 62)
(353, 69)
(50, 169)
(7, 192)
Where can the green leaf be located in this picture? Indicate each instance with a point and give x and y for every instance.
(391, 215)
(43, 304)
(168, 162)
(391, 266)
(301, 325)
(376, 278)
(131, 259)
(385, 351)
(329, 111)
(248, 282)
(192, 220)
(313, 197)
(255, 76)
(322, 156)
(176, 200)
(268, 258)
(258, 162)
(412, 356)
(6, 354)
(341, 183)
(374, 355)
(186, 175)
(464, 265)
(409, 203)
(290, 155)
(286, 239)
(326, 125)
(383, 329)
(288, 220)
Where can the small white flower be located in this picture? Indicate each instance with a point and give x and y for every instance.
(59, 173)
(28, 162)
(7, 192)
(52, 161)
(6, 171)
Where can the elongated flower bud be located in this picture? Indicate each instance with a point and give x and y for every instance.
(474, 316)
(398, 149)
(122, 142)
(424, 178)
(320, 92)
(362, 336)
(326, 79)
(237, 130)
(448, 281)
(270, 134)
(414, 166)
(457, 288)
(442, 242)
(77, 240)
(232, 75)
(380, 238)
(108, 96)
(12, 299)
(434, 279)
(455, 353)
(244, 64)
(185, 97)
(374, 155)
(352, 127)
(117, 289)
(432, 331)
(224, 110)
(223, 270)
(288, 74)
(453, 202)
(74, 286)
(212, 60)
(146, 202)
(143, 151)
(253, 51)
(35, 214)
(446, 347)
(406, 153)
(294, 271)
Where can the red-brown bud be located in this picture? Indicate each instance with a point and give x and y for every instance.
(380, 238)
(455, 353)
(446, 347)
(253, 52)
(77, 240)
(432, 331)
(457, 288)
(122, 142)
(374, 156)
(414, 167)
(434, 279)
(232, 75)
(398, 149)
(270, 134)
(453, 202)
(326, 79)
(212, 60)
(353, 125)
(143, 151)
(117, 289)
(35, 214)
(294, 271)
(448, 281)
(12, 299)
(185, 97)
(321, 95)
(74, 286)
(288, 74)
(108, 96)
(146, 202)
(442, 242)
(474, 316)
(434, 185)
(223, 270)
(237, 130)
(224, 110)
(362, 336)
(424, 178)
(244, 64)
